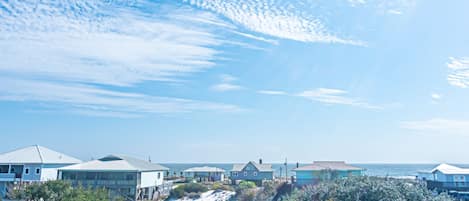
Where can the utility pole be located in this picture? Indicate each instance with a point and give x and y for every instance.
(286, 170)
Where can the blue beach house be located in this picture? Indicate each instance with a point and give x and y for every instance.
(446, 177)
(324, 171)
(30, 164)
(252, 171)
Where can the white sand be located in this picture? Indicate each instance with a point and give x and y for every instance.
(211, 196)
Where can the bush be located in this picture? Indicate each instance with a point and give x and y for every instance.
(220, 186)
(190, 188)
(246, 185)
(367, 189)
(59, 191)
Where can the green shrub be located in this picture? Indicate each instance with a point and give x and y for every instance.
(186, 189)
(220, 186)
(59, 191)
(366, 189)
(246, 185)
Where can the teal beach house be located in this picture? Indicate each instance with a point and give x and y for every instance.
(324, 171)
(252, 171)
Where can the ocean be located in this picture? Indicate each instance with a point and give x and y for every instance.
(392, 170)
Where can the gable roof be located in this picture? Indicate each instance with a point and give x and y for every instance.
(450, 169)
(327, 165)
(37, 155)
(259, 167)
(204, 169)
(117, 163)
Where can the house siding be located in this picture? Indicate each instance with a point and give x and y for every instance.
(306, 177)
(250, 173)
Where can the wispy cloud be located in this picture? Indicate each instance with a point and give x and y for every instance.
(325, 95)
(393, 7)
(438, 125)
(280, 19)
(92, 100)
(226, 84)
(356, 2)
(334, 96)
(436, 97)
(458, 72)
(394, 12)
(69, 48)
(272, 92)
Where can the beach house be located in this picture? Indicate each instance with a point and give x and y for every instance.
(447, 178)
(323, 171)
(204, 174)
(30, 164)
(252, 171)
(126, 177)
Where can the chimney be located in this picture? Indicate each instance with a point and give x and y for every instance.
(297, 165)
(260, 161)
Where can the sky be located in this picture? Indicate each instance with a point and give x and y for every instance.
(365, 81)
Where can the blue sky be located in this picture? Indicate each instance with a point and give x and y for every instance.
(229, 81)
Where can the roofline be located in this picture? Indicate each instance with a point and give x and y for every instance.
(39, 163)
(111, 170)
(361, 169)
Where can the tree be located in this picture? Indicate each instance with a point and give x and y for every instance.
(366, 189)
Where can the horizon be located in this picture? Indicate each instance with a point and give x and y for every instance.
(360, 81)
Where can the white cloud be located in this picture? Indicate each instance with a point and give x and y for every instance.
(436, 96)
(334, 96)
(393, 7)
(226, 84)
(458, 72)
(394, 12)
(356, 2)
(226, 87)
(272, 92)
(437, 125)
(92, 100)
(69, 48)
(281, 19)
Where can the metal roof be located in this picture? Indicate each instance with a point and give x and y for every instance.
(327, 165)
(36, 155)
(116, 163)
(450, 169)
(259, 167)
(204, 169)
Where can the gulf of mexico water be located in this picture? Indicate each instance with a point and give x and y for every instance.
(392, 170)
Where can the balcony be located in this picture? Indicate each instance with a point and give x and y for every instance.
(456, 186)
(93, 183)
(7, 176)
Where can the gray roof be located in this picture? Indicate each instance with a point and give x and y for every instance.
(36, 155)
(327, 165)
(259, 167)
(117, 163)
(204, 169)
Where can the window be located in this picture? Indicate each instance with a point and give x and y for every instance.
(26, 171)
(245, 173)
(254, 174)
(159, 175)
(12, 170)
(38, 170)
(235, 174)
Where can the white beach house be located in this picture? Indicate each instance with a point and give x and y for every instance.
(205, 174)
(30, 164)
(126, 177)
